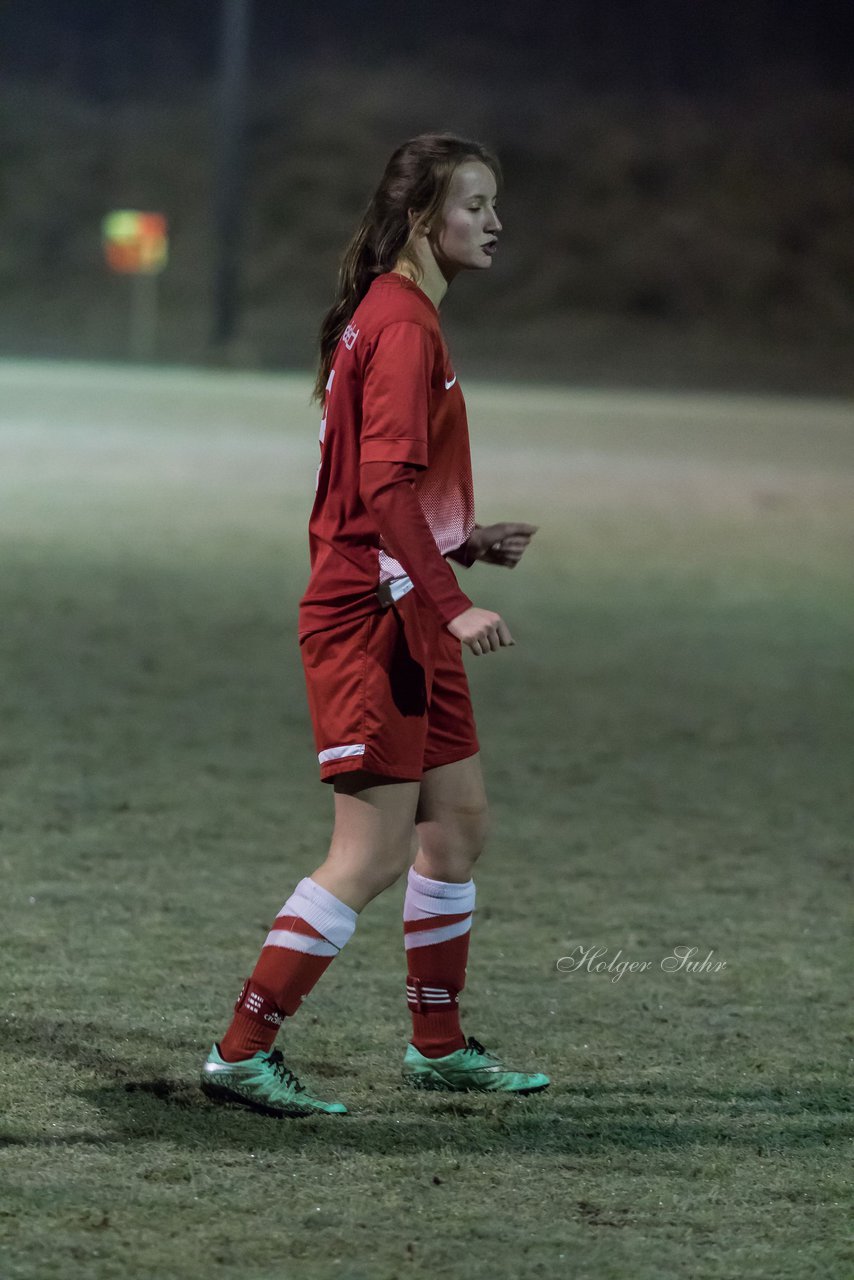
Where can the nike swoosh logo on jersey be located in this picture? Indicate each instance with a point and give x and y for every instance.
(448, 384)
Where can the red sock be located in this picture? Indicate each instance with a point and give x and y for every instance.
(308, 933)
(436, 930)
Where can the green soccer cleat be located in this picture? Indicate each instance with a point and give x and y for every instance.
(471, 1068)
(263, 1083)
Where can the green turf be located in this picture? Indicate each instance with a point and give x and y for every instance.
(669, 757)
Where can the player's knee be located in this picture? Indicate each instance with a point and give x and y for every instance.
(384, 871)
(477, 831)
(461, 833)
(474, 823)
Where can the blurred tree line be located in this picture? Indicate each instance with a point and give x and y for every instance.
(676, 211)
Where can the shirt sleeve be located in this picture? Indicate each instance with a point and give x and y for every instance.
(388, 492)
(461, 554)
(396, 395)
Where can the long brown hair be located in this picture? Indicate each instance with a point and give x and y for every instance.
(416, 177)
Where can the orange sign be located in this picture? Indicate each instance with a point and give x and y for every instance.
(135, 243)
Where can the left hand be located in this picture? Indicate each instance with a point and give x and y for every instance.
(503, 543)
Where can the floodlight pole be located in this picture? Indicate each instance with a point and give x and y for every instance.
(230, 165)
(143, 315)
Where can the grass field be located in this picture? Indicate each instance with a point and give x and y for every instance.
(668, 750)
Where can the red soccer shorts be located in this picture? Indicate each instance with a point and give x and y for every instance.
(388, 693)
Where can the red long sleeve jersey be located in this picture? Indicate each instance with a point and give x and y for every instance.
(394, 486)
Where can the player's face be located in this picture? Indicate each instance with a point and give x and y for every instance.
(469, 220)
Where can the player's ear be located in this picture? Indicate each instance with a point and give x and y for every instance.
(412, 215)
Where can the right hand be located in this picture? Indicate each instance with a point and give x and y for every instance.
(481, 630)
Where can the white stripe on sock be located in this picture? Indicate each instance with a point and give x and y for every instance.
(328, 914)
(425, 898)
(300, 942)
(429, 937)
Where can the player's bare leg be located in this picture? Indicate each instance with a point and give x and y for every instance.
(452, 820)
(372, 837)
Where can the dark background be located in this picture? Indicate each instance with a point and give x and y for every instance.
(679, 196)
(110, 49)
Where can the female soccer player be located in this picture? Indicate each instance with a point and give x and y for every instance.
(381, 628)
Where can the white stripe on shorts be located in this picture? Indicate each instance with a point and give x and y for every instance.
(341, 753)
